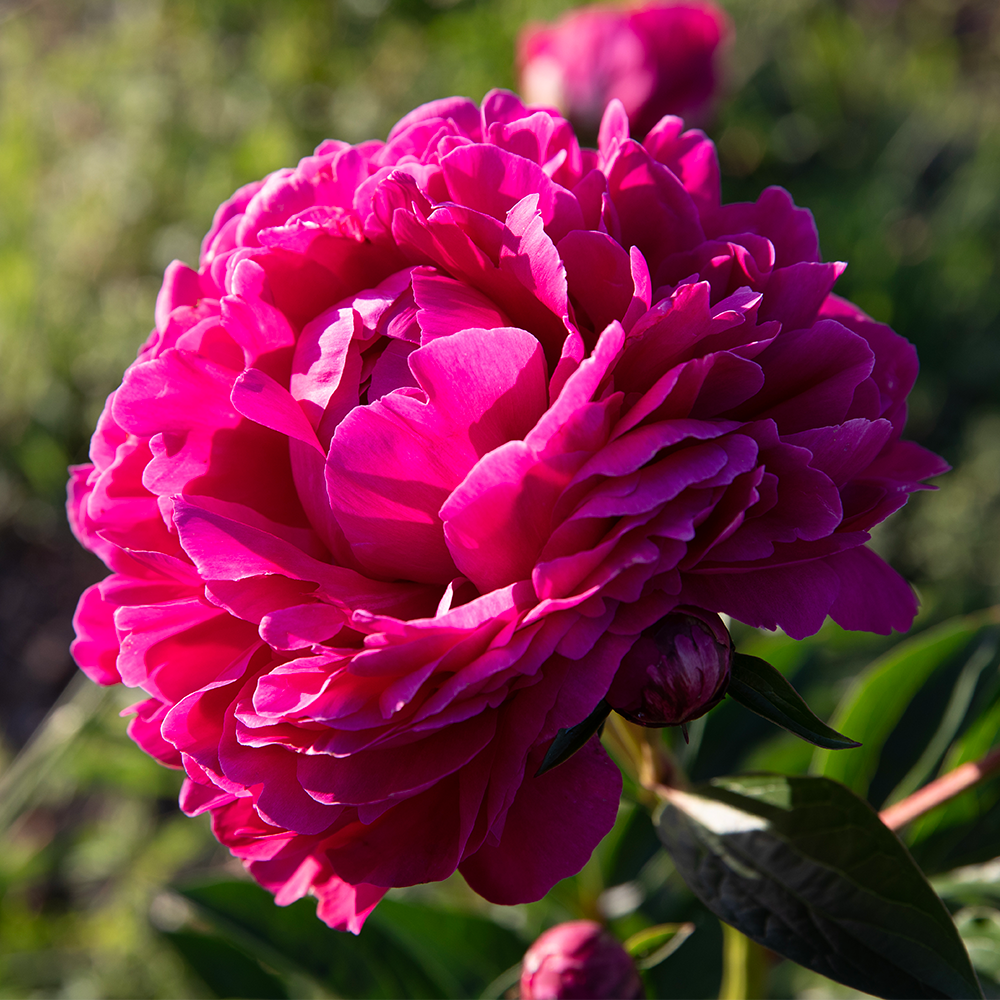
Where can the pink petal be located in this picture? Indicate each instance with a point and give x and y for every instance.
(657, 214)
(873, 597)
(553, 825)
(491, 180)
(259, 398)
(446, 306)
(95, 647)
(395, 773)
(392, 464)
(775, 216)
(795, 293)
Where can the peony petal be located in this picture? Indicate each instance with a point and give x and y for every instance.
(491, 180)
(657, 214)
(225, 548)
(691, 156)
(95, 647)
(873, 597)
(552, 827)
(446, 306)
(376, 774)
(598, 276)
(342, 906)
(321, 356)
(811, 377)
(795, 599)
(775, 216)
(843, 451)
(796, 293)
(392, 464)
(259, 398)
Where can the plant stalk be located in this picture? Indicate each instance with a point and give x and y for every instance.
(940, 791)
(744, 967)
(641, 749)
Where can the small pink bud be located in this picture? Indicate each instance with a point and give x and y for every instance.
(579, 959)
(677, 670)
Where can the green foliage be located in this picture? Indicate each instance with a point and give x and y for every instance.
(756, 685)
(404, 949)
(880, 694)
(227, 971)
(568, 741)
(805, 867)
(91, 835)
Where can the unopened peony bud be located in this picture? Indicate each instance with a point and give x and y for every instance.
(676, 671)
(579, 959)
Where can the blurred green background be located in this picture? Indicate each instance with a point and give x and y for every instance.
(123, 124)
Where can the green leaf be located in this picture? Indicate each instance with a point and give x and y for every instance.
(403, 950)
(756, 685)
(568, 741)
(977, 740)
(226, 970)
(806, 868)
(975, 884)
(371, 964)
(968, 808)
(507, 979)
(463, 952)
(951, 722)
(652, 945)
(878, 697)
(980, 930)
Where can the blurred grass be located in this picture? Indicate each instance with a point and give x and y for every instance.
(123, 123)
(90, 836)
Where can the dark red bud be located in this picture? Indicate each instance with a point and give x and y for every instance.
(676, 671)
(579, 959)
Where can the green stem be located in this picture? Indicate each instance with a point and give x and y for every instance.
(744, 967)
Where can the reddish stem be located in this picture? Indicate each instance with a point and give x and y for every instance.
(937, 792)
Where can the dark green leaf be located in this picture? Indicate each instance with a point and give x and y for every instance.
(969, 842)
(225, 969)
(806, 868)
(568, 741)
(463, 952)
(878, 697)
(403, 950)
(756, 685)
(371, 964)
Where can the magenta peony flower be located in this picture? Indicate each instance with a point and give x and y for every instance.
(579, 959)
(657, 59)
(439, 426)
(677, 670)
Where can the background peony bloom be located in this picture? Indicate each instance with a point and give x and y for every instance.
(579, 959)
(676, 672)
(657, 59)
(436, 430)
